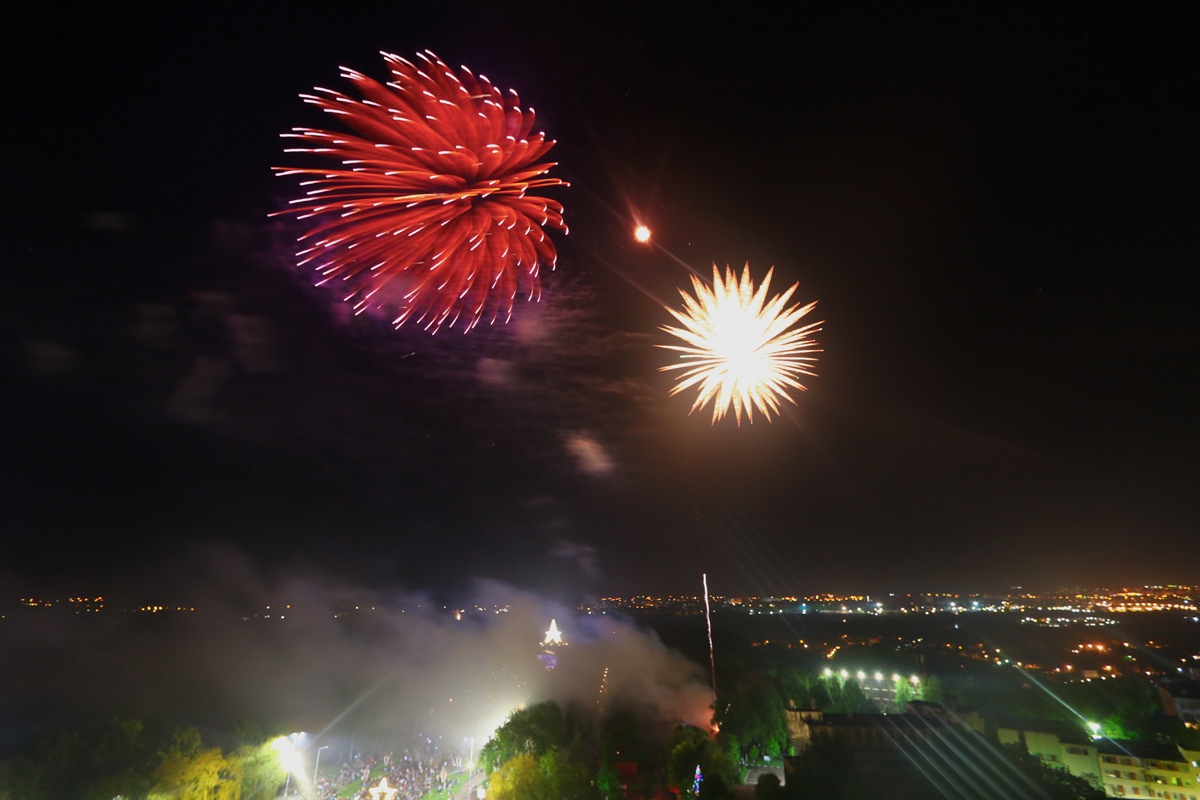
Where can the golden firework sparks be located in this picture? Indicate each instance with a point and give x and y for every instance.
(741, 350)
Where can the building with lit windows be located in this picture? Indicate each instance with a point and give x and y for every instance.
(1057, 744)
(1129, 769)
(933, 735)
(1182, 700)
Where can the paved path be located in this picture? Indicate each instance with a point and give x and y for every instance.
(465, 792)
(754, 773)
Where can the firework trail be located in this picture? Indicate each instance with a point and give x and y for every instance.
(712, 659)
(741, 350)
(431, 213)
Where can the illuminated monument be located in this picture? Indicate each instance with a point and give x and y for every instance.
(553, 639)
(383, 791)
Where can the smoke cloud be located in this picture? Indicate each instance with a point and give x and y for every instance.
(303, 651)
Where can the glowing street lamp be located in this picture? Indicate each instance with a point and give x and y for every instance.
(289, 759)
(317, 765)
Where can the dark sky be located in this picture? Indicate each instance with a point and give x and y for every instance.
(996, 211)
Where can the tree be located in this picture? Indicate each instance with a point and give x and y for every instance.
(931, 689)
(533, 730)
(21, 779)
(820, 697)
(768, 705)
(794, 689)
(691, 747)
(261, 772)
(768, 787)
(1126, 707)
(549, 777)
(203, 776)
(608, 782)
(564, 779)
(854, 700)
(755, 719)
(519, 778)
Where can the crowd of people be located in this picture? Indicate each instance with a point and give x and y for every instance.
(413, 774)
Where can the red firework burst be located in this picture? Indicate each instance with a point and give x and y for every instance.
(431, 213)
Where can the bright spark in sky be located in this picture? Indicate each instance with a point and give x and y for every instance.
(641, 233)
(742, 351)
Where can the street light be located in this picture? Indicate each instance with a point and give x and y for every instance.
(288, 757)
(291, 755)
(317, 765)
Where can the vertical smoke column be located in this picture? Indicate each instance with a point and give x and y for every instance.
(712, 661)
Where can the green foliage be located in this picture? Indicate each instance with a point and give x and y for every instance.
(931, 689)
(533, 730)
(261, 772)
(92, 762)
(204, 775)
(187, 741)
(691, 747)
(820, 697)
(250, 731)
(853, 700)
(549, 777)
(794, 689)
(517, 778)
(21, 779)
(755, 722)
(567, 780)
(130, 758)
(837, 696)
(1126, 707)
(608, 782)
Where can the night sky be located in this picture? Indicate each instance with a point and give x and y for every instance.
(996, 212)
